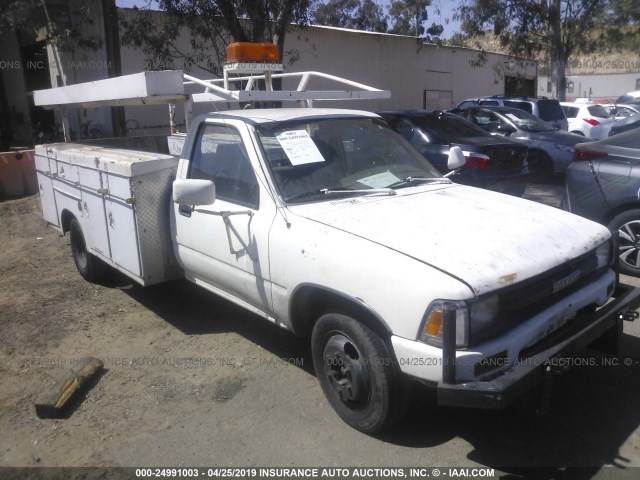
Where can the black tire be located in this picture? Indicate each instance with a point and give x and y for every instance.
(357, 373)
(540, 164)
(627, 224)
(90, 267)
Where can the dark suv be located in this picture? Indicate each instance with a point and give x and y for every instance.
(548, 109)
(494, 163)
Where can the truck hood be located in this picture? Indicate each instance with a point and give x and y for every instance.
(487, 240)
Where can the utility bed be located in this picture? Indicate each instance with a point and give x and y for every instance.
(121, 199)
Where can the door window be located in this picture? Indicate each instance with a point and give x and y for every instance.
(219, 155)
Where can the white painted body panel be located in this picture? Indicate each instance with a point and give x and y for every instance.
(487, 239)
(212, 255)
(120, 199)
(393, 285)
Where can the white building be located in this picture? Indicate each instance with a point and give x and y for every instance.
(600, 88)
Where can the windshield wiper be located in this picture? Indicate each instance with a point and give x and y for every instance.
(341, 191)
(407, 181)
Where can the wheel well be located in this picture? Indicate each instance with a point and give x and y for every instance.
(65, 220)
(618, 210)
(310, 302)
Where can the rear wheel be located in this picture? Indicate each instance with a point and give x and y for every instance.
(357, 373)
(90, 267)
(627, 224)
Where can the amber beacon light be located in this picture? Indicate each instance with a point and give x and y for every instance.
(252, 52)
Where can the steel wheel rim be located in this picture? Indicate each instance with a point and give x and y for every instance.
(629, 247)
(346, 370)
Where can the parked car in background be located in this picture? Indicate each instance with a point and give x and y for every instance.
(587, 119)
(548, 109)
(550, 150)
(497, 164)
(626, 124)
(630, 98)
(619, 112)
(602, 184)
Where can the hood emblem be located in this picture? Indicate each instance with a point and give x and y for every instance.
(563, 283)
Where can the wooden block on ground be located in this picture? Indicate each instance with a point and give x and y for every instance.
(53, 404)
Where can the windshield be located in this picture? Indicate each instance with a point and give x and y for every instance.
(309, 157)
(528, 122)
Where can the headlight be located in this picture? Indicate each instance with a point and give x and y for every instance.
(565, 148)
(432, 328)
(605, 254)
(473, 319)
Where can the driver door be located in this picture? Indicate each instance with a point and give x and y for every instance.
(224, 246)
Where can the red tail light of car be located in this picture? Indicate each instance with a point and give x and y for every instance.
(476, 161)
(591, 121)
(588, 155)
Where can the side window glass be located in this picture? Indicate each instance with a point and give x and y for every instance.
(219, 155)
(488, 121)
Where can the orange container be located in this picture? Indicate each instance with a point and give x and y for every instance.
(252, 52)
(17, 174)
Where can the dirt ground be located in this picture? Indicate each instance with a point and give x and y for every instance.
(192, 380)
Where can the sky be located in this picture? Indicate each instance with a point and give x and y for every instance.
(440, 12)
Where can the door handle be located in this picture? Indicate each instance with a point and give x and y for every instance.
(185, 210)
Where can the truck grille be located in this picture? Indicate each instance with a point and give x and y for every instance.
(521, 301)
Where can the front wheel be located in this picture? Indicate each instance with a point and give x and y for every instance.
(627, 224)
(89, 266)
(357, 373)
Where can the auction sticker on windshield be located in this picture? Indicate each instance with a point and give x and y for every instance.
(379, 180)
(299, 147)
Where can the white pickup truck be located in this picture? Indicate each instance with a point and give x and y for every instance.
(330, 225)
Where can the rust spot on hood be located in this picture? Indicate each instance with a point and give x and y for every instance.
(508, 278)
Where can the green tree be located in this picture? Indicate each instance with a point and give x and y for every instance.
(409, 17)
(211, 25)
(550, 29)
(50, 19)
(356, 14)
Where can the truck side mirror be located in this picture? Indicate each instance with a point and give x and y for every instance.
(456, 158)
(194, 192)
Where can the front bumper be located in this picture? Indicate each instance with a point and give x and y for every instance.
(532, 370)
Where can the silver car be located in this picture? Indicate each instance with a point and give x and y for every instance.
(603, 184)
(550, 150)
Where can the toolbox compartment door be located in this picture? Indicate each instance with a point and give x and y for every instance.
(45, 185)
